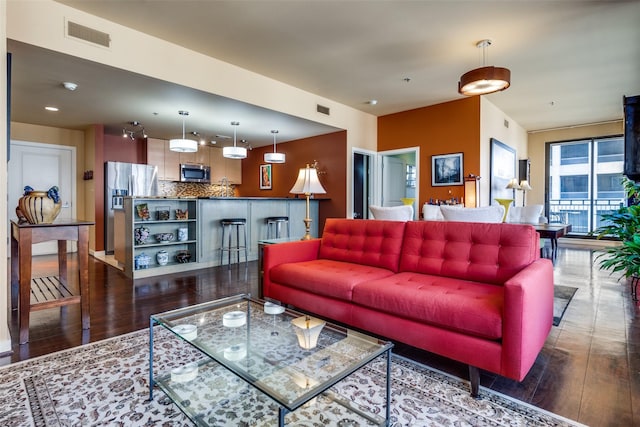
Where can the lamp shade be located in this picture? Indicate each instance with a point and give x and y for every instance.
(513, 184)
(274, 157)
(484, 80)
(183, 145)
(524, 185)
(234, 152)
(308, 182)
(471, 191)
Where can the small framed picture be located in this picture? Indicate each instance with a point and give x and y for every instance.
(265, 177)
(446, 169)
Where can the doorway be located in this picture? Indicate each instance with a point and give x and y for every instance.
(399, 177)
(41, 166)
(362, 185)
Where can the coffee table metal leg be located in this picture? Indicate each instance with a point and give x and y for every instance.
(151, 323)
(388, 409)
(282, 412)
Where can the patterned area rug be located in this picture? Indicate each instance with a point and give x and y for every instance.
(106, 384)
(562, 296)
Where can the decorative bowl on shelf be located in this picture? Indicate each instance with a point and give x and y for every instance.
(163, 237)
(183, 256)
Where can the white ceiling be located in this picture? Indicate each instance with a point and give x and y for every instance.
(571, 61)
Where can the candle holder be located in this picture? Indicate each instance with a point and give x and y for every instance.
(308, 330)
(274, 310)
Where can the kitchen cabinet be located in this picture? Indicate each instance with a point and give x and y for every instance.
(167, 161)
(171, 164)
(222, 167)
(155, 155)
(141, 257)
(200, 157)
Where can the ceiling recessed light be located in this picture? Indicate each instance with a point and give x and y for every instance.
(51, 108)
(70, 86)
(372, 102)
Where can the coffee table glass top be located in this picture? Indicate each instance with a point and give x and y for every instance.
(272, 347)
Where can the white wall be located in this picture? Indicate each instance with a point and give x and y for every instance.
(492, 125)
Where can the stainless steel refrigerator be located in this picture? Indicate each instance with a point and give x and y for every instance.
(120, 180)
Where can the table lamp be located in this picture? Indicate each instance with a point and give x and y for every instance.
(307, 184)
(471, 191)
(524, 186)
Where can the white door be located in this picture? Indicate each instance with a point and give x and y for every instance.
(394, 180)
(41, 166)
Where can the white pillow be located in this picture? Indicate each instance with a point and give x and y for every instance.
(485, 214)
(431, 213)
(525, 214)
(397, 213)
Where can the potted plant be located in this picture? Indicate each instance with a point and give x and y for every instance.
(623, 224)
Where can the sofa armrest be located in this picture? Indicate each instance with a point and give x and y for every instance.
(528, 316)
(281, 253)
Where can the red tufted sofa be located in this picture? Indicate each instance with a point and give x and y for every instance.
(475, 292)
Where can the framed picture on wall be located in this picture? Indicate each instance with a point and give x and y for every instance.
(265, 177)
(503, 169)
(446, 169)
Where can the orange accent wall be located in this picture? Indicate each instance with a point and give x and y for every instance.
(451, 127)
(331, 153)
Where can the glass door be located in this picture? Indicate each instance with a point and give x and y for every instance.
(584, 181)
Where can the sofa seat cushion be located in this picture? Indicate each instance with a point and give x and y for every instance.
(461, 305)
(335, 279)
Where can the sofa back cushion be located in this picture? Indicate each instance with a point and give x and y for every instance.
(490, 253)
(376, 243)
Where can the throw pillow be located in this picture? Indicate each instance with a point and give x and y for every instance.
(485, 214)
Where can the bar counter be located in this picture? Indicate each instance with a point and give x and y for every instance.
(205, 233)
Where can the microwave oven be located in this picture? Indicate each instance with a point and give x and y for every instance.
(195, 173)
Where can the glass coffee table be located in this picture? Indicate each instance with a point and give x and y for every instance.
(261, 362)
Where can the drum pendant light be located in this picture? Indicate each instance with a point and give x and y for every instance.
(274, 157)
(234, 152)
(183, 145)
(484, 80)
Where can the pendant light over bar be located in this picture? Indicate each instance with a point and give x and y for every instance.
(183, 145)
(274, 157)
(484, 80)
(234, 152)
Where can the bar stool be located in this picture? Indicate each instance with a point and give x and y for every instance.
(227, 228)
(275, 222)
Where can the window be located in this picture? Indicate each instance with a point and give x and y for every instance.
(611, 150)
(610, 186)
(411, 176)
(574, 187)
(584, 181)
(572, 154)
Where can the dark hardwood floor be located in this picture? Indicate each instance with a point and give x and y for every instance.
(589, 369)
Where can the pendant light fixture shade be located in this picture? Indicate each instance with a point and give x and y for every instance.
(234, 152)
(274, 157)
(183, 145)
(486, 79)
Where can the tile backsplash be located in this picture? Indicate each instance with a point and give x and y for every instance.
(192, 189)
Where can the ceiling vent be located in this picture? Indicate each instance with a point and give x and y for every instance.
(88, 34)
(322, 109)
